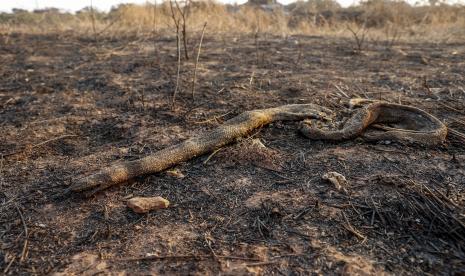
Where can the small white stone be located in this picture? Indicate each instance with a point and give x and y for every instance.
(146, 204)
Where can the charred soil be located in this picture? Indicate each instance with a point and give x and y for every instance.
(69, 106)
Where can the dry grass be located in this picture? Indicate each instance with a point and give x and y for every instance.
(383, 18)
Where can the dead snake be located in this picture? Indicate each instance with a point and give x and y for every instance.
(409, 124)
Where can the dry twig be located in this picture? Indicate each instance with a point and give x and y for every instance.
(211, 155)
(155, 30)
(352, 229)
(456, 133)
(197, 60)
(183, 15)
(92, 14)
(26, 234)
(359, 37)
(9, 265)
(451, 108)
(257, 48)
(179, 66)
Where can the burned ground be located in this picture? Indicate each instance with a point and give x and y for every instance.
(69, 106)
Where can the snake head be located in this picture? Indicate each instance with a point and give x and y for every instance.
(302, 111)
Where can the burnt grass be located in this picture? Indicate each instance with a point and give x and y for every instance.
(69, 106)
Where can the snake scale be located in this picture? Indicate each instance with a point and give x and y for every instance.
(408, 124)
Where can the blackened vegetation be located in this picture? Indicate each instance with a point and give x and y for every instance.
(400, 204)
(68, 108)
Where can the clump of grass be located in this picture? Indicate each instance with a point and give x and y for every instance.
(440, 21)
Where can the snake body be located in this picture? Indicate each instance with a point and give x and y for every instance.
(405, 123)
(234, 128)
(410, 124)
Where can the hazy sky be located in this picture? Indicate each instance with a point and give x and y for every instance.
(73, 5)
(69, 5)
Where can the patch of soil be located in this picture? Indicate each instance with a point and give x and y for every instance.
(69, 106)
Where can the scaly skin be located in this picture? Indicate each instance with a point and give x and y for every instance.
(227, 133)
(418, 125)
(424, 128)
